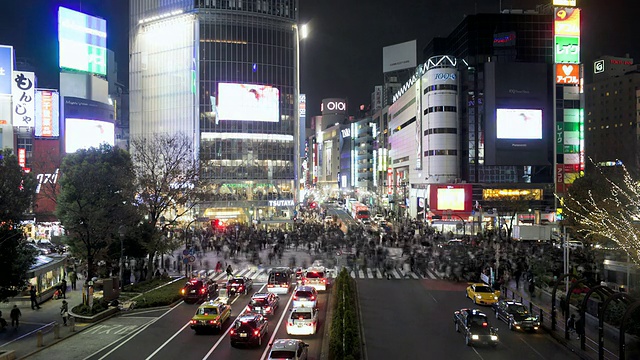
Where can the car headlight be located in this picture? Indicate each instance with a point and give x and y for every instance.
(515, 322)
(478, 296)
(475, 337)
(494, 337)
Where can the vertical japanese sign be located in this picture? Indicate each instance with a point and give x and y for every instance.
(6, 69)
(567, 35)
(389, 181)
(24, 91)
(47, 114)
(22, 157)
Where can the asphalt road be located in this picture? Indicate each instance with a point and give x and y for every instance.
(413, 319)
(167, 335)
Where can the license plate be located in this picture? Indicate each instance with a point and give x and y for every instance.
(192, 292)
(243, 335)
(299, 325)
(257, 308)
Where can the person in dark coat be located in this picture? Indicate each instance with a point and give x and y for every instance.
(63, 288)
(34, 299)
(15, 316)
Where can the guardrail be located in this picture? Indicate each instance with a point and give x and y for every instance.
(545, 320)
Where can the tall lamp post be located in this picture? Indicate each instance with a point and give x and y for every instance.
(122, 231)
(301, 33)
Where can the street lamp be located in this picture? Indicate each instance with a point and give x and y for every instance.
(122, 231)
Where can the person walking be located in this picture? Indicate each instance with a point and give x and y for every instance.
(580, 324)
(229, 271)
(73, 277)
(34, 299)
(64, 312)
(15, 316)
(63, 288)
(571, 325)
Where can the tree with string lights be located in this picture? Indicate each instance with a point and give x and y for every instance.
(607, 206)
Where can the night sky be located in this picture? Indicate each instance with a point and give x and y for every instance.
(342, 56)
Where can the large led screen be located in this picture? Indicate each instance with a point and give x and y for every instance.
(519, 123)
(247, 102)
(83, 134)
(450, 199)
(83, 42)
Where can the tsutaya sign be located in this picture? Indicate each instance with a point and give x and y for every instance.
(281, 202)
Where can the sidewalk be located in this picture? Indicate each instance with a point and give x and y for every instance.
(24, 339)
(540, 304)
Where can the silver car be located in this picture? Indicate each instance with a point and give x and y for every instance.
(290, 349)
(305, 296)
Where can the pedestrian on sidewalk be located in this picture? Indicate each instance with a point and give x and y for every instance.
(63, 288)
(73, 277)
(563, 304)
(64, 312)
(34, 299)
(580, 323)
(571, 325)
(15, 316)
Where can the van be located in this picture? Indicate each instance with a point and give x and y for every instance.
(279, 281)
(315, 277)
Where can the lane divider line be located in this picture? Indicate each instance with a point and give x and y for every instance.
(275, 330)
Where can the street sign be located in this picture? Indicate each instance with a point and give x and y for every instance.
(185, 252)
(185, 260)
(192, 259)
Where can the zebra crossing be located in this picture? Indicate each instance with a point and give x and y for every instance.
(261, 274)
(375, 273)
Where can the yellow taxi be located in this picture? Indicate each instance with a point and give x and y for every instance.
(210, 316)
(482, 294)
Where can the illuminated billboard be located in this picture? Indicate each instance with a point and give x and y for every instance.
(47, 114)
(519, 123)
(6, 69)
(564, 2)
(567, 22)
(24, 91)
(450, 198)
(567, 49)
(84, 133)
(248, 102)
(568, 74)
(83, 42)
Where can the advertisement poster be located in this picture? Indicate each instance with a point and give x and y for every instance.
(83, 42)
(24, 93)
(519, 123)
(247, 102)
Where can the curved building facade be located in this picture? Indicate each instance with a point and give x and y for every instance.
(226, 72)
(440, 120)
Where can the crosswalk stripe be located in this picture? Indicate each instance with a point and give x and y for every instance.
(413, 275)
(395, 274)
(369, 274)
(379, 273)
(360, 274)
(431, 275)
(353, 275)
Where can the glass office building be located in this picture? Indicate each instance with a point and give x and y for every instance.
(225, 72)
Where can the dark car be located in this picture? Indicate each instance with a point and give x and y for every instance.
(516, 315)
(249, 329)
(197, 290)
(239, 285)
(263, 303)
(474, 325)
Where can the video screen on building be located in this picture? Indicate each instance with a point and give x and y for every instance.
(451, 199)
(83, 42)
(84, 133)
(248, 102)
(519, 123)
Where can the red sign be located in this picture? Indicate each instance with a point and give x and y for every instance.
(560, 178)
(45, 164)
(454, 198)
(22, 157)
(568, 74)
(621, 62)
(571, 168)
(389, 181)
(47, 114)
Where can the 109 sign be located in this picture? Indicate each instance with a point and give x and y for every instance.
(445, 76)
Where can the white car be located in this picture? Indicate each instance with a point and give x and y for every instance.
(302, 321)
(377, 218)
(305, 296)
(290, 349)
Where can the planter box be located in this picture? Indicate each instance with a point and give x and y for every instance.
(7, 355)
(95, 318)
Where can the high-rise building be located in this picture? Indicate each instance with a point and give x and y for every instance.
(476, 120)
(611, 113)
(226, 74)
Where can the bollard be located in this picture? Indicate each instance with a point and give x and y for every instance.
(39, 339)
(56, 331)
(72, 323)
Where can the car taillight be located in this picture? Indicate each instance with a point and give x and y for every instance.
(182, 291)
(324, 281)
(268, 308)
(240, 287)
(212, 321)
(295, 297)
(313, 298)
(202, 290)
(249, 308)
(256, 332)
(269, 286)
(484, 324)
(193, 321)
(290, 323)
(232, 332)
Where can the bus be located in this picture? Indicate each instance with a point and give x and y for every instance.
(358, 211)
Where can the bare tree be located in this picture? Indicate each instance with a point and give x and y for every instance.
(167, 181)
